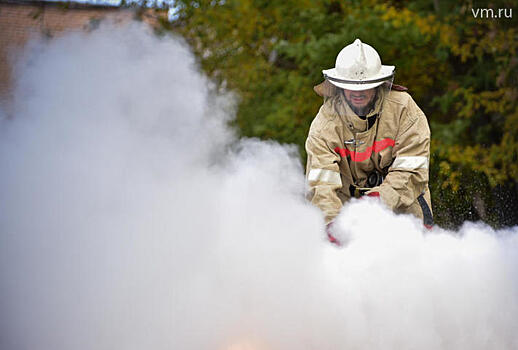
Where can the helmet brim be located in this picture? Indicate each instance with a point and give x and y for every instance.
(386, 73)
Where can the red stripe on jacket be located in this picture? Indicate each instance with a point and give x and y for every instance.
(361, 156)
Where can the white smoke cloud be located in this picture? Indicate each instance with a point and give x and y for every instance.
(132, 218)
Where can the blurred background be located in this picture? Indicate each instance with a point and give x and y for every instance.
(458, 60)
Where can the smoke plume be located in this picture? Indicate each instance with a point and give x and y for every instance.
(132, 217)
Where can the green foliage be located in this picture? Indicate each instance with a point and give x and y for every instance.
(462, 71)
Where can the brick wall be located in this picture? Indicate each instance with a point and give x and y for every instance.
(23, 20)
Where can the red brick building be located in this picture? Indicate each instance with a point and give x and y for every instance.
(21, 20)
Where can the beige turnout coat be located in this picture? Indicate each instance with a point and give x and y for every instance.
(343, 152)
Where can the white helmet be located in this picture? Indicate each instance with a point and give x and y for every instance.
(358, 67)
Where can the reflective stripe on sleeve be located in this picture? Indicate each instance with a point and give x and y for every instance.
(324, 175)
(411, 162)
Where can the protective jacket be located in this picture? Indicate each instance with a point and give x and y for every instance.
(392, 145)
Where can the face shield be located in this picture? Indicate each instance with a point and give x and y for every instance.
(356, 102)
(368, 102)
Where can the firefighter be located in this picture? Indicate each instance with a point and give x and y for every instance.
(369, 138)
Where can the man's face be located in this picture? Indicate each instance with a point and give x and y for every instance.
(360, 101)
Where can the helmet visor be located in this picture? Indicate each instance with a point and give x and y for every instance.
(365, 103)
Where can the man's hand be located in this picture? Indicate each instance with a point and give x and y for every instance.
(330, 236)
(373, 194)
